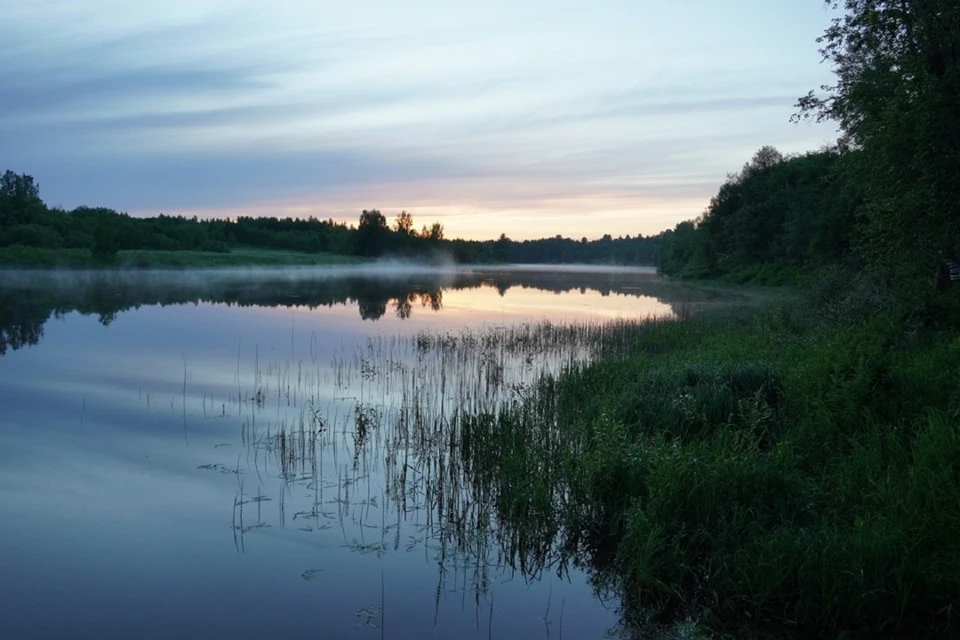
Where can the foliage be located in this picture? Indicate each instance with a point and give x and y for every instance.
(26, 221)
(404, 224)
(887, 198)
(18, 256)
(214, 246)
(371, 233)
(897, 101)
(624, 250)
(19, 199)
(766, 471)
(105, 244)
(771, 221)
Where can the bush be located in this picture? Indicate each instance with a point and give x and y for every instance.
(214, 246)
(161, 242)
(105, 245)
(783, 474)
(33, 235)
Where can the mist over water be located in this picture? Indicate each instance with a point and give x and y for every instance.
(253, 453)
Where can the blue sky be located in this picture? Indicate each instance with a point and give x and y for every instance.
(528, 117)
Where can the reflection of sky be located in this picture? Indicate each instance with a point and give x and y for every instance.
(485, 305)
(112, 531)
(535, 304)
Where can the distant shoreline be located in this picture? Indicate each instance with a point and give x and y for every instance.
(19, 258)
(16, 257)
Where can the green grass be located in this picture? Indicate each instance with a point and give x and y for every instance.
(762, 469)
(29, 258)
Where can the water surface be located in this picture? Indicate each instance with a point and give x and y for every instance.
(262, 453)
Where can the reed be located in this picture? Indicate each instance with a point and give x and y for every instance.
(747, 471)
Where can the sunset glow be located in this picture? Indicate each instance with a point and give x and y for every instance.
(531, 119)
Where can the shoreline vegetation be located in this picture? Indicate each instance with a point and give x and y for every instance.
(791, 470)
(35, 235)
(20, 257)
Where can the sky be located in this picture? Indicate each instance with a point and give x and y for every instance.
(527, 117)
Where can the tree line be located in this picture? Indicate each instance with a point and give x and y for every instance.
(774, 218)
(25, 220)
(885, 200)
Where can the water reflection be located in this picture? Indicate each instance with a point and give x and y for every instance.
(401, 458)
(239, 455)
(29, 299)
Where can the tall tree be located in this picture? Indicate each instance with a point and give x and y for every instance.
(404, 223)
(435, 232)
(19, 199)
(105, 244)
(371, 233)
(897, 101)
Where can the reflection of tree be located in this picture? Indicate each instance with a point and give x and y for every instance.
(372, 308)
(106, 319)
(402, 307)
(21, 319)
(432, 299)
(16, 336)
(26, 302)
(373, 298)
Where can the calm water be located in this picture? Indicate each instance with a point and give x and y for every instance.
(261, 454)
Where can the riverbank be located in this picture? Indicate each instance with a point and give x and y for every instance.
(786, 470)
(19, 257)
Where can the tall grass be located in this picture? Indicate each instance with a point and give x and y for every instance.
(29, 257)
(766, 472)
(763, 471)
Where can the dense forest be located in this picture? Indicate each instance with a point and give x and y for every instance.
(776, 217)
(25, 221)
(885, 200)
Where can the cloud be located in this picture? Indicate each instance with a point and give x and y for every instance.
(538, 112)
(60, 93)
(175, 182)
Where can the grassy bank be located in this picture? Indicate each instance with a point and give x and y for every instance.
(27, 257)
(769, 471)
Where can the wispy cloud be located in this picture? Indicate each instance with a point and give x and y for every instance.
(575, 116)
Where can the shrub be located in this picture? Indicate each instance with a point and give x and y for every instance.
(214, 246)
(33, 235)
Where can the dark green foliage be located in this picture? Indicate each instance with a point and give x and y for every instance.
(19, 199)
(26, 221)
(769, 223)
(214, 246)
(690, 403)
(33, 235)
(105, 244)
(887, 199)
(607, 250)
(774, 472)
(371, 233)
(897, 101)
